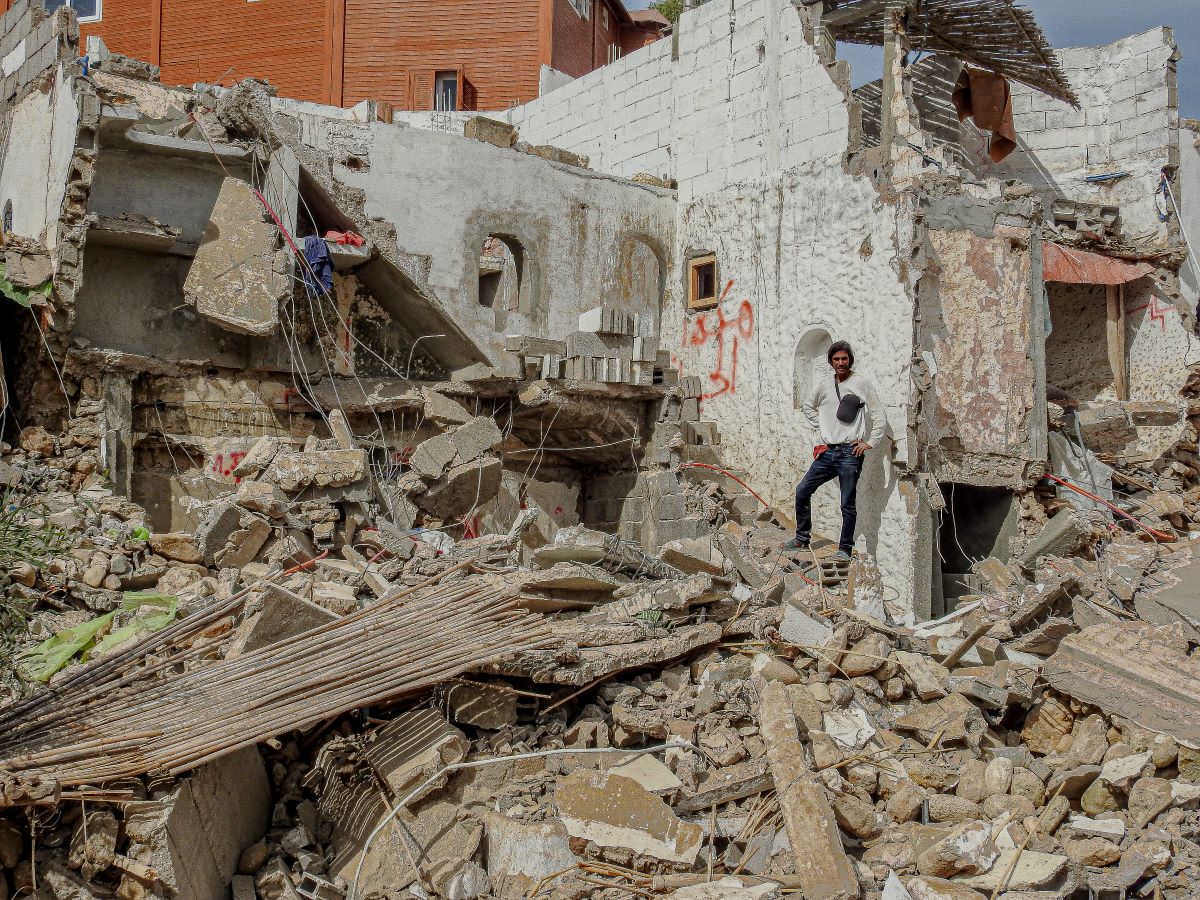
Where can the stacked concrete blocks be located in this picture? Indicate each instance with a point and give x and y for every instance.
(30, 45)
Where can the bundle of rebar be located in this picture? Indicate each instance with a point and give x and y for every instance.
(138, 713)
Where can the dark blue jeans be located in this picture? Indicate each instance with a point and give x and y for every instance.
(837, 462)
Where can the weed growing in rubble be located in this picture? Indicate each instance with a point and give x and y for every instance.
(25, 537)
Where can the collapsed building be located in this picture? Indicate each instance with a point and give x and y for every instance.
(315, 376)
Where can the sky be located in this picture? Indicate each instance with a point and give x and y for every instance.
(1076, 23)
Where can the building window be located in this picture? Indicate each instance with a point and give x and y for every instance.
(604, 18)
(502, 284)
(702, 281)
(581, 7)
(445, 91)
(86, 10)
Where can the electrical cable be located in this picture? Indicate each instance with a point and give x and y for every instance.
(1159, 536)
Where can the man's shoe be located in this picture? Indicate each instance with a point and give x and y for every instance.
(841, 556)
(794, 546)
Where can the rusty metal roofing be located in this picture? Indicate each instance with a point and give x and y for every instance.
(997, 35)
(1071, 266)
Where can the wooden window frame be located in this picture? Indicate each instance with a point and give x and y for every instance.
(695, 264)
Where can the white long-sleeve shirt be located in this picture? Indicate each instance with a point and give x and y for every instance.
(822, 405)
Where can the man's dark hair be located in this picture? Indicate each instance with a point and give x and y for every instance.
(838, 347)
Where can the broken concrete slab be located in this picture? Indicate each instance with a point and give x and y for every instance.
(474, 438)
(1135, 670)
(320, 468)
(692, 555)
(612, 810)
(432, 456)
(823, 869)
(800, 628)
(239, 275)
(719, 786)
(282, 615)
(923, 673)
(464, 487)
(1061, 536)
(1032, 871)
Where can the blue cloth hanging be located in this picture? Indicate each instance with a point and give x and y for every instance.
(318, 274)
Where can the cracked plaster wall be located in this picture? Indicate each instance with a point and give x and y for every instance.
(446, 195)
(33, 174)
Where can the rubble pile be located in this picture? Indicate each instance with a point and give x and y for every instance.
(716, 719)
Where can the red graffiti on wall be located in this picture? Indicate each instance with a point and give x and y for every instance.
(225, 463)
(726, 332)
(1157, 311)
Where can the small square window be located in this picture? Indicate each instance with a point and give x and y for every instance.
(86, 10)
(702, 282)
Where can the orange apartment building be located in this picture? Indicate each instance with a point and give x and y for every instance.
(413, 54)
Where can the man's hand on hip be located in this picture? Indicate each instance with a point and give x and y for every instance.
(860, 447)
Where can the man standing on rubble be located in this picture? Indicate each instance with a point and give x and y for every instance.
(835, 408)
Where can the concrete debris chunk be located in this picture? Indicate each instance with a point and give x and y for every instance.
(474, 438)
(322, 469)
(824, 870)
(240, 273)
(613, 810)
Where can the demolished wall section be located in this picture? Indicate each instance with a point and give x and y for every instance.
(447, 196)
(1127, 123)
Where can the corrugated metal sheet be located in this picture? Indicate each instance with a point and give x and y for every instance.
(1070, 266)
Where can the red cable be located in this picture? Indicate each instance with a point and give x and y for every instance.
(1157, 535)
(696, 465)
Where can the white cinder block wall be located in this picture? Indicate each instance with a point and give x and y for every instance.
(752, 126)
(1127, 123)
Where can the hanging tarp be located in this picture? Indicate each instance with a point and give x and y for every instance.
(1070, 266)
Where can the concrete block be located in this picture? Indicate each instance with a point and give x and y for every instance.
(234, 280)
(194, 837)
(465, 487)
(1061, 536)
(587, 343)
(282, 615)
(320, 468)
(475, 438)
(490, 131)
(430, 458)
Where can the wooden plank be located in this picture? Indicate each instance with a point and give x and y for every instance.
(854, 12)
(1118, 356)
